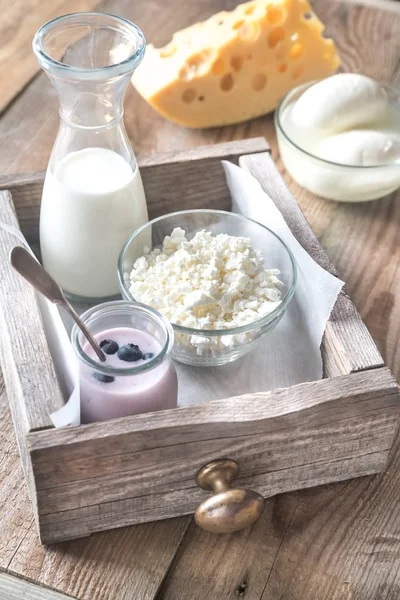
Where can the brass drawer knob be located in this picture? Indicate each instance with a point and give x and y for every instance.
(229, 509)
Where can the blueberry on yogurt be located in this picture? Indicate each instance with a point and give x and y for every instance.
(109, 346)
(102, 378)
(130, 353)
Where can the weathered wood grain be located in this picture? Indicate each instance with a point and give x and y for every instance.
(143, 467)
(201, 182)
(25, 357)
(29, 374)
(19, 23)
(12, 588)
(195, 575)
(16, 518)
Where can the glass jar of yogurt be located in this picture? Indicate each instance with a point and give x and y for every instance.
(93, 196)
(138, 375)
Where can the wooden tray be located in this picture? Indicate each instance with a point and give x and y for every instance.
(142, 468)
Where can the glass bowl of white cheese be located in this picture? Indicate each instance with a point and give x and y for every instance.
(340, 137)
(222, 280)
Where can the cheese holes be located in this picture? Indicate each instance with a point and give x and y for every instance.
(197, 61)
(197, 64)
(307, 16)
(258, 82)
(184, 73)
(249, 10)
(275, 15)
(282, 68)
(236, 63)
(249, 32)
(296, 51)
(226, 82)
(238, 24)
(218, 67)
(297, 72)
(167, 51)
(276, 36)
(188, 95)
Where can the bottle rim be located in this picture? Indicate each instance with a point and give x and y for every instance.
(90, 19)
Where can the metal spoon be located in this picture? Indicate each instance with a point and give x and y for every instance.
(32, 271)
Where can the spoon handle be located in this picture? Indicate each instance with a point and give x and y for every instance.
(35, 274)
(66, 305)
(39, 278)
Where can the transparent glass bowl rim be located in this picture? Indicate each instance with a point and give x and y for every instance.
(280, 129)
(216, 332)
(89, 18)
(123, 305)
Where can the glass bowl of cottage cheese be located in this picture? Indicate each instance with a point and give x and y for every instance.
(340, 137)
(222, 280)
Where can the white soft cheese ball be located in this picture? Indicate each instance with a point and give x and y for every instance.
(361, 147)
(339, 103)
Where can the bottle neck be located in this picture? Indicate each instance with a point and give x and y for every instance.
(91, 104)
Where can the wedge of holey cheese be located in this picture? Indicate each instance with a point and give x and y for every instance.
(236, 65)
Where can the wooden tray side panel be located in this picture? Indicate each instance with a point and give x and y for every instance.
(25, 356)
(143, 468)
(26, 363)
(347, 345)
(172, 181)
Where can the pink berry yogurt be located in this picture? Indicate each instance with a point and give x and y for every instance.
(138, 376)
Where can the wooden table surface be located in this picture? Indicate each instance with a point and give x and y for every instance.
(338, 542)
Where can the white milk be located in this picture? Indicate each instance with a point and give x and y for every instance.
(91, 203)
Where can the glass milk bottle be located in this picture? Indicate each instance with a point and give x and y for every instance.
(93, 196)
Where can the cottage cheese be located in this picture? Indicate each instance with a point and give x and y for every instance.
(207, 283)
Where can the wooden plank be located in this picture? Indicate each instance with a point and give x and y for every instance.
(232, 567)
(16, 518)
(391, 6)
(24, 354)
(347, 345)
(200, 178)
(342, 542)
(143, 468)
(18, 25)
(25, 357)
(120, 564)
(12, 588)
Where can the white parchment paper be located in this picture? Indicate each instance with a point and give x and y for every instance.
(290, 354)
